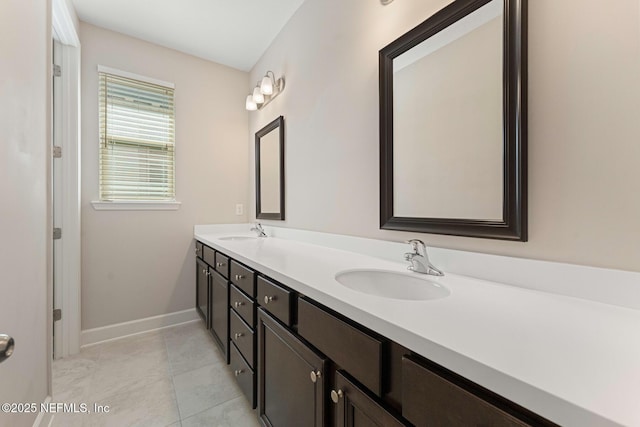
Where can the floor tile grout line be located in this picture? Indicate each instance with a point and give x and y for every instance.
(211, 407)
(100, 354)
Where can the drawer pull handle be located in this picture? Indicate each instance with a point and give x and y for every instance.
(238, 304)
(204, 271)
(315, 375)
(239, 277)
(238, 335)
(268, 299)
(237, 372)
(336, 395)
(220, 264)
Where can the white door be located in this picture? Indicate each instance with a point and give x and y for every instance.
(25, 238)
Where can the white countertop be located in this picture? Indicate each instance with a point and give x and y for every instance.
(571, 360)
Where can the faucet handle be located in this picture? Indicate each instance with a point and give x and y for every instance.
(415, 243)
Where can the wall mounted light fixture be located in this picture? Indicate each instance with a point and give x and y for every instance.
(264, 92)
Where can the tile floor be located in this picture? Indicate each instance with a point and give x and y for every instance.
(174, 377)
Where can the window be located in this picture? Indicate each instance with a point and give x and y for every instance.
(137, 139)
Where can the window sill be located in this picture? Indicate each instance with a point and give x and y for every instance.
(136, 205)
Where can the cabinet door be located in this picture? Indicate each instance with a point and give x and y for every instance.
(291, 380)
(220, 312)
(431, 399)
(202, 291)
(357, 408)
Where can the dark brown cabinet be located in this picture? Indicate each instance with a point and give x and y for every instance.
(245, 375)
(351, 348)
(355, 407)
(276, 299)
(202, 290)
(219, 303)
(433, 397)
(291, 377)
(303, 364)
(243, 278)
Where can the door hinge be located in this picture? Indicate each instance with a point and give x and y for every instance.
(57, 233)
(57, 314)
(57, 71)
(57, 151)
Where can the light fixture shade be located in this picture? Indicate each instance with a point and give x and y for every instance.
(258, 97)
(250, 104)
(266, 86)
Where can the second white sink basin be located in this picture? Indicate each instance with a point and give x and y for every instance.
(238, 238)
(392, 284)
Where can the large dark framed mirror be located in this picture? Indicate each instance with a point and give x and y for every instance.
(270, 170)
(453, 123)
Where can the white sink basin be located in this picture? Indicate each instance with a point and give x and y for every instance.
(391, 284)
(238, 238)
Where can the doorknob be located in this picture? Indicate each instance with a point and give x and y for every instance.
(6, 347)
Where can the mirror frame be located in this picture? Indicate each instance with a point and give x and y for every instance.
(514, 213)
(276, 124)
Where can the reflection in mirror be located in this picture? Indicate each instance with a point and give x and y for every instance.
(270, 171)
(447, 106)
(453, 123)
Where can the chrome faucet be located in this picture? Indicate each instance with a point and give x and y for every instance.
(258, 229)
(420, 260)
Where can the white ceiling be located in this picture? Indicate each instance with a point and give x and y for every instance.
(231, 32)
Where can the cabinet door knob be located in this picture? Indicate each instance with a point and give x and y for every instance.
(315, 375)
(219, 264)
(238, 372)
(268, 299)
(204, 271)
(238, 304)
(239, 276)
(238, 335)
(336, 395)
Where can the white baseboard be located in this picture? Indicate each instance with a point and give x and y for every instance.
(121, 330)
(44, 418)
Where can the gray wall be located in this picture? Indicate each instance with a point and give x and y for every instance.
(584, 98)
(25, 246)
(137, 264)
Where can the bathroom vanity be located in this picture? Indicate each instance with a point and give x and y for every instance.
(308, 350)
(304, 364)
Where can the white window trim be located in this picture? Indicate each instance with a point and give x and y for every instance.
(126, 74)
(136, 205)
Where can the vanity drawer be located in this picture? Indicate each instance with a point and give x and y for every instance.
(245, 376)
(199, 249)
(429, 399)
(243, 305)
(208, 255)
(242, 336)
(353, 350)
(243, 278)
(275, 299)
(222, 265)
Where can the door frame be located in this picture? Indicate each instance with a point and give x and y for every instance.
(68, 291)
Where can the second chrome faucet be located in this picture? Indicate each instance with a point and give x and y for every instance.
(259, 230)
(420, 260)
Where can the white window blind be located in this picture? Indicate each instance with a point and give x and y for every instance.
(137, 140)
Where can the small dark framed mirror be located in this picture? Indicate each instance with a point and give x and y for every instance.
(270, 170)
(453, 123)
